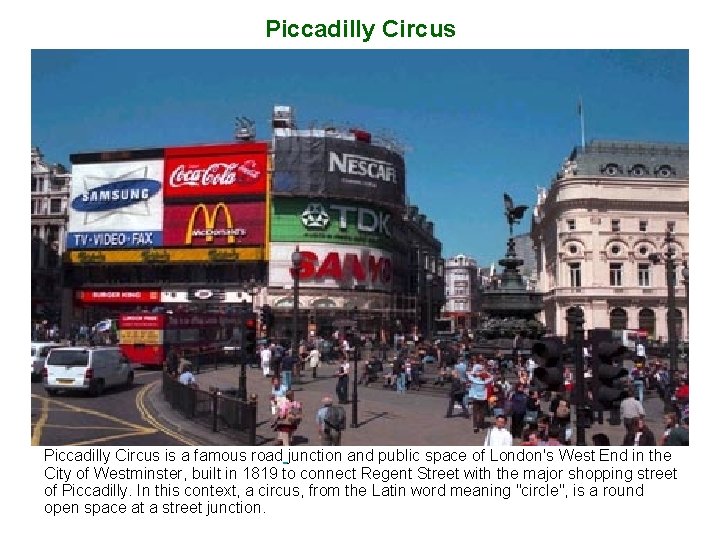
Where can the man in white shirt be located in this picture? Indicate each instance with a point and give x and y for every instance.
(499, 435)
(265, 356)
(314, 358)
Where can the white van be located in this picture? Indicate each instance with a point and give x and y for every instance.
(38, 353)
(91, 369)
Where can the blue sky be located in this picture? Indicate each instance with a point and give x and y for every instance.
(475, 123)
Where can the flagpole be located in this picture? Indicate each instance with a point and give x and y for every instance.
(582, 123)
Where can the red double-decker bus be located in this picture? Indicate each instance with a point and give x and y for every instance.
(146, 338)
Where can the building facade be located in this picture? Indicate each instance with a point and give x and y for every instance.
(215, 226)
(462, 290)
(49, 192)
(368, 257)
(598, 228)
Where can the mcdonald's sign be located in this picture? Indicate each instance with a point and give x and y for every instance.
(215, 224)
(211, 229)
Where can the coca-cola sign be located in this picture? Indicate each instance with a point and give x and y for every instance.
(230, 169)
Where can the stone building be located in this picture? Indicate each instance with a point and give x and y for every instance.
(598, 228)
(49, 192)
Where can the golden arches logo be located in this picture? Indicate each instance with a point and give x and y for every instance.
(210, 220)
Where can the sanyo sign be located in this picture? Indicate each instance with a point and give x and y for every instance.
(362, 166)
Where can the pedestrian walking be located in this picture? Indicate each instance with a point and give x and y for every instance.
(518, 408)
(341, 388)
(499, 435)
(639, 434)
(330, 420)
(286, 366)
(457, 395)
(314, 357)
(630, 409)
(399, 372)
(265, 360)
(477, 396)
(288, 419)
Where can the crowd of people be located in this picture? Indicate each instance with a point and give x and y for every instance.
(498, 393)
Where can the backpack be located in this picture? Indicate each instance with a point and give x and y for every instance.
(335, 418)
(294, 415)
(519, 403)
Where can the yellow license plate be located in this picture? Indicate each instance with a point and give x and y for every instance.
(66, 381)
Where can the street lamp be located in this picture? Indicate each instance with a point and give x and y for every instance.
(576, 319)
(686, 282)
(356, 357)
(296, 260)
(250, 287)
(669, 259)
(429, 282)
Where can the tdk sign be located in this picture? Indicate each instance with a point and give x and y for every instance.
(116, 195)
(315, 217)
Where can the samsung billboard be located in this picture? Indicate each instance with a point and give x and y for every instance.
(116, 205)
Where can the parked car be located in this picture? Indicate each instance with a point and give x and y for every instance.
(89, 369)
(38, 353)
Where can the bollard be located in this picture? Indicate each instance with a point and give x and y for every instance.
(214, 405)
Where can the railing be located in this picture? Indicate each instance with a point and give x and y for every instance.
(216, 410)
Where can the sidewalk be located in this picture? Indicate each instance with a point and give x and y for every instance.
(384, 416)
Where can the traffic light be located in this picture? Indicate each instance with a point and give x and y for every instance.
(249, 338)
(550, 372)
(266, 318)
(610, 389)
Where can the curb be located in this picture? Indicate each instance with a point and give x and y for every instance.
(174, 421)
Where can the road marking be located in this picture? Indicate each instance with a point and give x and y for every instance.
(93, 412)
(144, 373)
(150, 419)
(149, 431)
(104, 428)
(38, 429)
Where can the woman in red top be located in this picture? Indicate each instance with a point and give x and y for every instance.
(288, 419)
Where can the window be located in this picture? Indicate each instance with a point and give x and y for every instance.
(36, 206)
(55, 206)
(646, 321)
(616, 274)
(575, 280)
(615, 225)
(643, 225)
(644, 275)
(618, 319)
(570, 224)
(671, 226)
(37, 183)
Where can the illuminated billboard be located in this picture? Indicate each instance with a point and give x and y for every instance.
(331, 266)
(339, 168)
(335, 221)
(216, 224)
(171, 255)
(115, 205)
(225, 170)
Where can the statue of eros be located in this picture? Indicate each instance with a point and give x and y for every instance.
(513, 213)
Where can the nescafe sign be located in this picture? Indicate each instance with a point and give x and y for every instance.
(366, 269)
